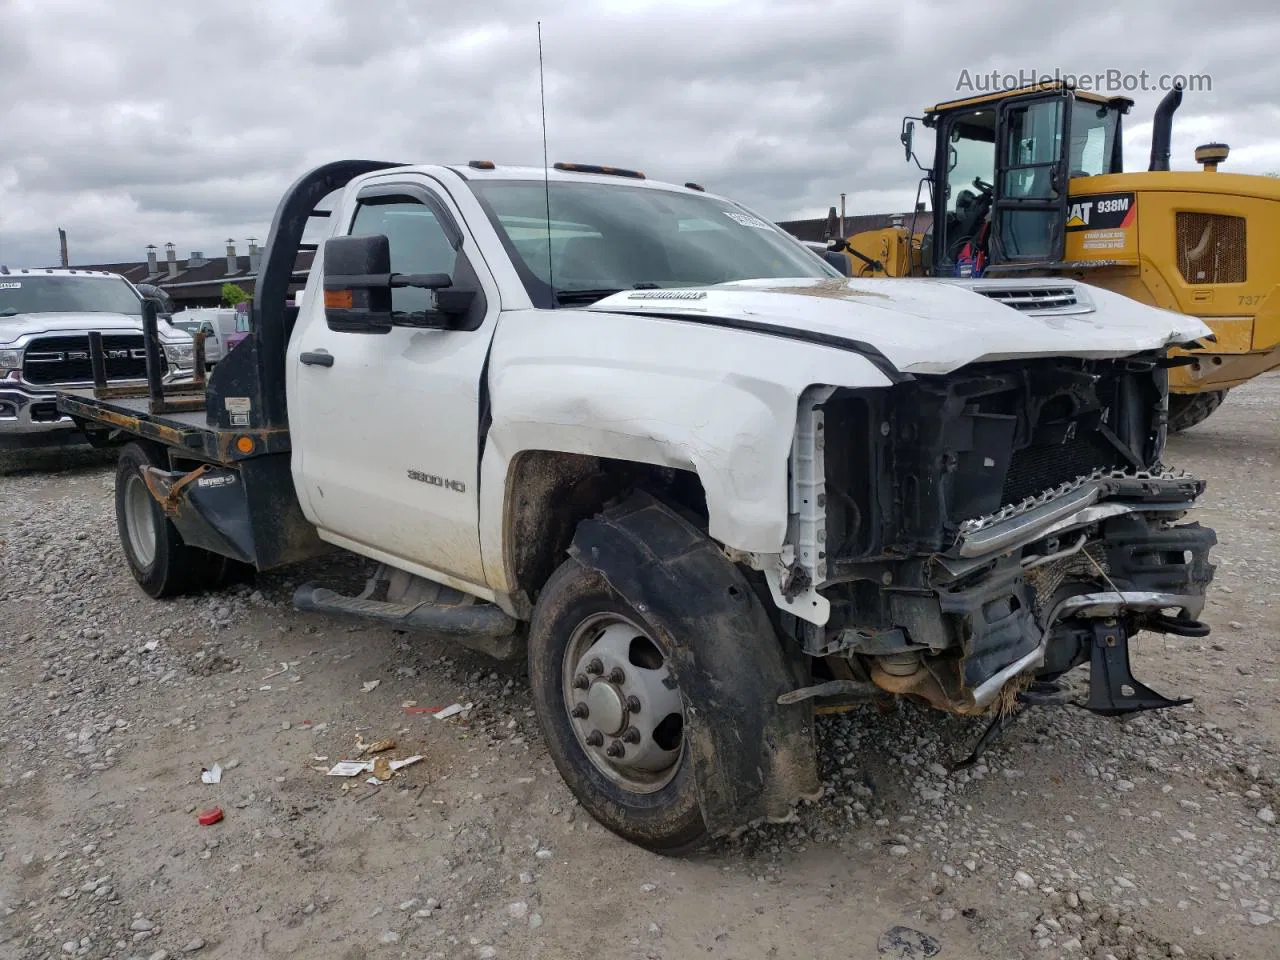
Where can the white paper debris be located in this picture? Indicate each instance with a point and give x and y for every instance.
(211, 774)
(369, 685)
(450, 711)
(349, 768)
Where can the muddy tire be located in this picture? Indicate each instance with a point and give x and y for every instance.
(611, 713)
(1188, 409)
(162, 564)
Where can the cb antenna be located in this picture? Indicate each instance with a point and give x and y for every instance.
(546, 175)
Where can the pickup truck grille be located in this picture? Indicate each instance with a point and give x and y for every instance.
(49, 360)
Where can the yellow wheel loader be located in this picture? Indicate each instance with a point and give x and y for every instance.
(1029, 182)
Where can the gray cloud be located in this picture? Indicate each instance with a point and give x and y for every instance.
(186, 124)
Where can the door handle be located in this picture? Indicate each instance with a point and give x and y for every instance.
(317, 358)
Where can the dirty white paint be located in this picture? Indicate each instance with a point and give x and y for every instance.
(719, 402)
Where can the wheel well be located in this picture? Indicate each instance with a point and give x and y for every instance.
(550, 493)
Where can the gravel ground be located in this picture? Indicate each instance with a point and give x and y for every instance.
(1076, 837)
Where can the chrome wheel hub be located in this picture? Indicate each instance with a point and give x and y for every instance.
(623, 703)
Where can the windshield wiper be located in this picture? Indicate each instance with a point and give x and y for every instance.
(591, 296)
(584, 296)
(9, 312)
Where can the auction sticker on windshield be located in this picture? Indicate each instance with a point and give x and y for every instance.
(10, 285)
(747, 220)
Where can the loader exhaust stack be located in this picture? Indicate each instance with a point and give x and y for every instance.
(1162, 131)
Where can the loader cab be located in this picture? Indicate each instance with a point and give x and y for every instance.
(1001, 169)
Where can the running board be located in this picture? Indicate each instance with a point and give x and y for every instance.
(478, 626)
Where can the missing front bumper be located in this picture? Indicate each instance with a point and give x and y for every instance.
(1010, 615)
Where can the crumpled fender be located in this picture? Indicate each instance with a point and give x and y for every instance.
(753, 759)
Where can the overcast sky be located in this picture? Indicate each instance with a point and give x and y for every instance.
(136, 123)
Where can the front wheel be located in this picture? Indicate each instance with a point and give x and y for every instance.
(611, 712)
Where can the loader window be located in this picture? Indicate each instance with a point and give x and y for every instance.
(972, 156)
(1093, 139)
(970, 160)
(1032, 148)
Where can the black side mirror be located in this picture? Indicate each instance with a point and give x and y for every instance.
(907, 137)
(162, 311)
(357, 289)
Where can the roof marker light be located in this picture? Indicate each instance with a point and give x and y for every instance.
(595, 168)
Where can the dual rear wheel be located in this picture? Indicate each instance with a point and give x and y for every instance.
(162, 564)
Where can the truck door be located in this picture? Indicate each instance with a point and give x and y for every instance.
(1029, 214)
(385, 427)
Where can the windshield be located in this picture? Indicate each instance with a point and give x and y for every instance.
(605, 238)
(25, 293)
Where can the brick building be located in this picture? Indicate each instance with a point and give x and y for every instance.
(197, 281)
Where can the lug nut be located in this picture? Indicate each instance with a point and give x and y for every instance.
(595, 666)
(616, 749)
(617, 676)
(633, 704)
(632, 735)
(579, 712)
(595, 738)
(580, 682)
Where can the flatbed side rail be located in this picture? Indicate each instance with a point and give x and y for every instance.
(243, 398)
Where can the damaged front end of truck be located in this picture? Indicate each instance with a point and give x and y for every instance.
(966, 539)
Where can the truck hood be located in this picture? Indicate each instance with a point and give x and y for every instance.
(930, 326)
(24, 325)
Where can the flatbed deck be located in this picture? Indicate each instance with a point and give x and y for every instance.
(186, 429)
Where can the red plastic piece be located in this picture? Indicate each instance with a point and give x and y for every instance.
(209, 817)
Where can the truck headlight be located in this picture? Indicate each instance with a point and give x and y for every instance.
(180, 354)
(10, 360)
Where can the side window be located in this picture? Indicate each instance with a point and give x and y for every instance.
(419, 244)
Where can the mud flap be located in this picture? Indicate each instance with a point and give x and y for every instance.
(753, 759)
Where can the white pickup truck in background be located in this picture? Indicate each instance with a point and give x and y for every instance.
(218, 324)
(637, 434)
(46, 316)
